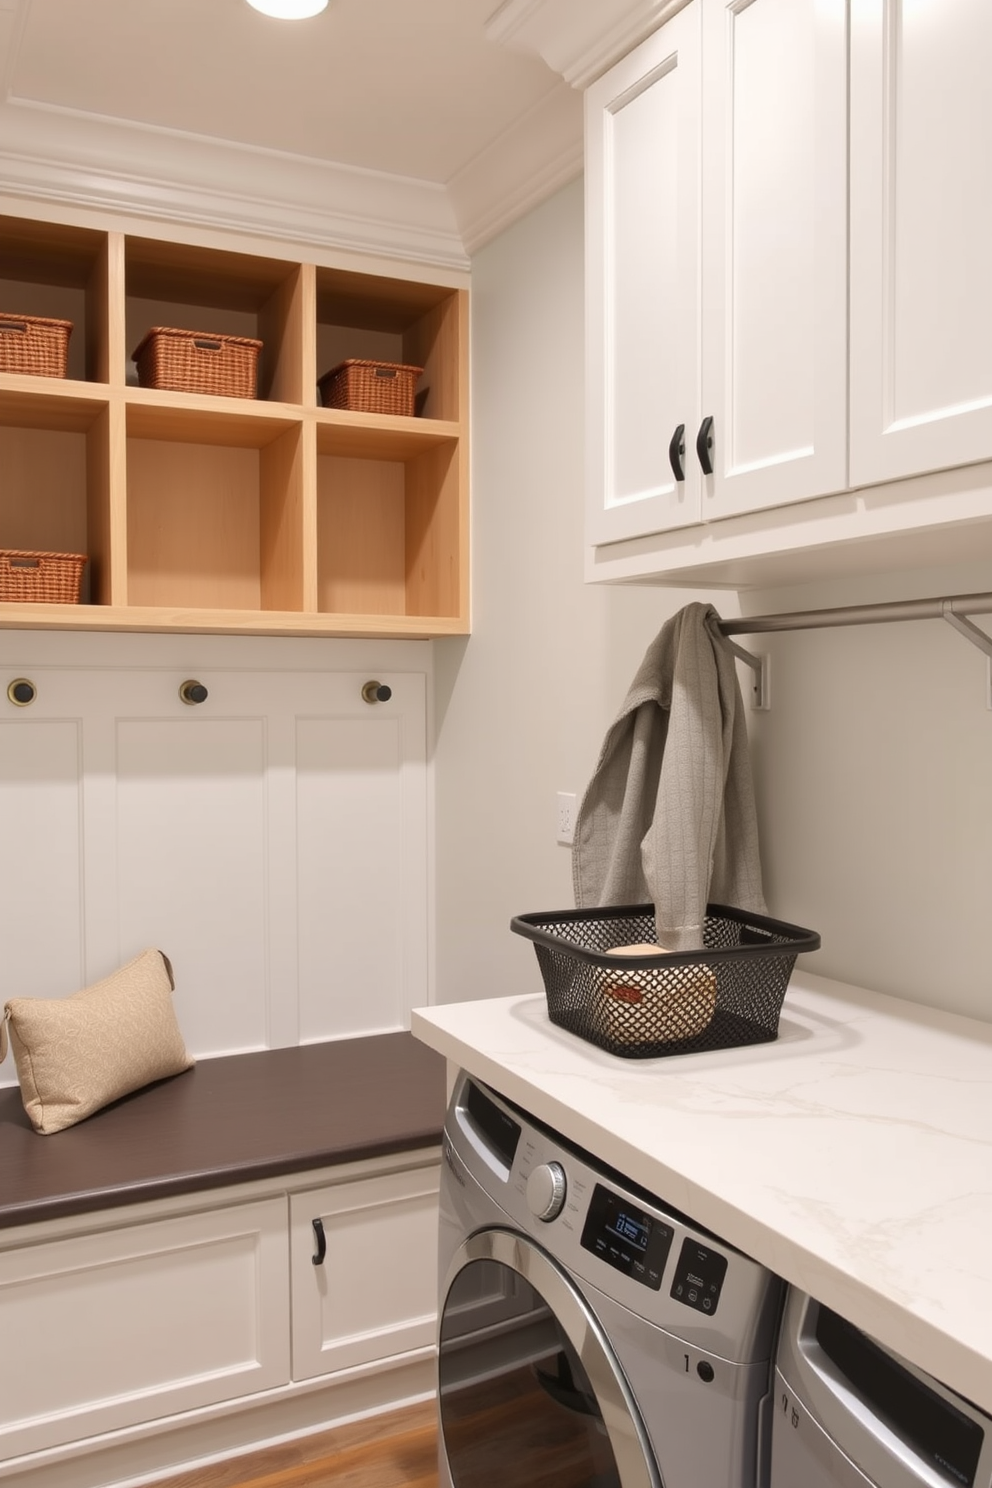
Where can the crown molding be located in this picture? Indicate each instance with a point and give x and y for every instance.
(578, 39)
(64, 157)
(540, 153)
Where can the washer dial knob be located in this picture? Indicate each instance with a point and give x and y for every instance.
(546, 1189)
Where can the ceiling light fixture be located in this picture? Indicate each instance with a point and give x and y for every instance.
(289, 10)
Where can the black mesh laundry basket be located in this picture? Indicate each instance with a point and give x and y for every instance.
(727, 994)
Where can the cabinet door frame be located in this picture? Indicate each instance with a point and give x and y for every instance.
(337, 1298)
(79, 1367)
(885, 446)
(670, 56)
(817, 465)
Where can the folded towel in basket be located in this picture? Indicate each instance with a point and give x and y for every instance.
(668, 816)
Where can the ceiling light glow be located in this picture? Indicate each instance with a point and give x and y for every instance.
(289, 10)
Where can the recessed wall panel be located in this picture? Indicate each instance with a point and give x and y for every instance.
(191, 848)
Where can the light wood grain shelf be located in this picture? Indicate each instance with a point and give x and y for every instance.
(265, 515)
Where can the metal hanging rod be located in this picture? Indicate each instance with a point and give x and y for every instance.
(955, 609)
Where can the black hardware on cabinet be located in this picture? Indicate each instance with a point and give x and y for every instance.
(193, 692)
(318, 1234)
(676, 453)
(377, 692)
(21, 692)
(704, 444)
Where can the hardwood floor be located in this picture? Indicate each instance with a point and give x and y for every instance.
(397, 1450)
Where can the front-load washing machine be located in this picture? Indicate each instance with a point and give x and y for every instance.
(848, 1413)
(589, 1335)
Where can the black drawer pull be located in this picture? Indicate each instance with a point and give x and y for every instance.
(318, 1234)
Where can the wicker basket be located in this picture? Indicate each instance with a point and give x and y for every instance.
(370, 387)
(727, 993)
(40, 578)
(198, 362)
(32, 344)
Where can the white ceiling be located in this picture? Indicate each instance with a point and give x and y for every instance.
(374, 116)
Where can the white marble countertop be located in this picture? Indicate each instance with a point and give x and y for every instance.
(853, 1156)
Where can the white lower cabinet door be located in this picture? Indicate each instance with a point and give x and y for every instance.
(115, 1327)
(364, 1270)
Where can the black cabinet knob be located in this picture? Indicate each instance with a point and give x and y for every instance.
(376, 692)
(193, 692)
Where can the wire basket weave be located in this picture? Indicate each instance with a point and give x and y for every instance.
(34, 345)
(370, 387)
(728, 993)
(40, 578)
(198, 362)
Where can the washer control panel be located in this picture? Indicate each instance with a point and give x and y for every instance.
(626, 1237)
(699, 1276)
(613, 1235)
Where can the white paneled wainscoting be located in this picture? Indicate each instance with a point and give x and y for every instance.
(272, 839)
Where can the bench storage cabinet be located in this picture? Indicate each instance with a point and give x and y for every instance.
(159, 1299)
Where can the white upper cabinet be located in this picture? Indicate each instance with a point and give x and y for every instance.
(642, 247)
(795, 270)
(716, 160)
(921, 236)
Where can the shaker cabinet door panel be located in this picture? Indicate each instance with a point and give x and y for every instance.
(774, 214)
(119, 1326)
(364, 1270)
(921, 237)
(642, 170)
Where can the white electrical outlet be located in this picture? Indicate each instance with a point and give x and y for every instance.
(567, 807)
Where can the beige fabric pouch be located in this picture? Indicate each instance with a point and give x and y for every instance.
(76, 1054)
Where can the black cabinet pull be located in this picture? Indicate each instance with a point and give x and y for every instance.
(676, 453)
(704, 444)
(318, 1234)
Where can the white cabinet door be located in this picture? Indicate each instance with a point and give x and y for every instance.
(774, 216)
(921, 236)
(642, 268)
(119, 1326)
(364, 1281)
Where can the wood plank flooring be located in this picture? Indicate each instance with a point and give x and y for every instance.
(395, 1450)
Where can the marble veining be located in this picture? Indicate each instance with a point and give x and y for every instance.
(853, 1156)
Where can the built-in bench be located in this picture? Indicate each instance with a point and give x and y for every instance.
(241, 1252)
(228, 1120)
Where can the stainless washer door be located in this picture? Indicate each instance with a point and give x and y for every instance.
(529, 1389)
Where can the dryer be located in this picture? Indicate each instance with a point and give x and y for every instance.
(851, 1414)
(589, 1335)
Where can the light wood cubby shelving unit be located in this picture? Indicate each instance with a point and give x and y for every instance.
(267, 515)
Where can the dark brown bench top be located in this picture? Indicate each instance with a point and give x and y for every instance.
(228, 1120)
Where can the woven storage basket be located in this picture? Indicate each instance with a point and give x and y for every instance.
(370, 387)
(727, 993)
(32, 344)
(45, 578)
(198, 362)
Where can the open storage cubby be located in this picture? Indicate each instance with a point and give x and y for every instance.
(201, 512)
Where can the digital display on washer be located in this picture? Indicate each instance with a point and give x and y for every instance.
(626, 1238)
